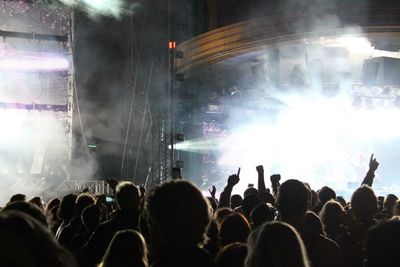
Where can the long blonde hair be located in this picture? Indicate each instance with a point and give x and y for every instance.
(276, 244)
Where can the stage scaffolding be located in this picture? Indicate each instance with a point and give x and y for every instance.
(37, 29)
(161, 140)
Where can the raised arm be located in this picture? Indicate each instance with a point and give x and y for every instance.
(213, 191)
(373, 165)
(265, 195)
(225, 196)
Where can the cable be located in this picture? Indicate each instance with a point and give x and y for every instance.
(129, 121)
(143, 118)
(71, 32)
(151, 123)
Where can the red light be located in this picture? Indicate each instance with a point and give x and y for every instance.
(171, 44)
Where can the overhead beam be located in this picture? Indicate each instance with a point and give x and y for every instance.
(33, 36)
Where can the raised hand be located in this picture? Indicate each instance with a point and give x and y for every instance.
(233, 180)
(212, 191)
(275, 178)
(142, 190)
(373, 164)
(260, 169)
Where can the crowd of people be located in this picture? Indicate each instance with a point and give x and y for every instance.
(173, 224)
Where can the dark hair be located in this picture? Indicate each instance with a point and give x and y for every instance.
(236, 201)
(18, 197)
(83, 201)
(325, 194)
(221, 213)
(127, 196)
(250, 191)
(26, 242)
(37, 201)
(28, 208)
(127, 248)
(91, 217)
(389, 203)
(332, 216)
(314, 223)
(66, 210)
(178, 212)
(261, 213)
(234, 228)
(249, 203)
(50, 205)
(232, 255)
(382, 244)
(276, 244)
(292, 199)
(364, 203)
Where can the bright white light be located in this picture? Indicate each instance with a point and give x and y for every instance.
(34, 64)
(359, 45)
(113, 8)
(315, 139)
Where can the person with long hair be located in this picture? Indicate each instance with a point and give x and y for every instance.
(127, 248)
(276, 244)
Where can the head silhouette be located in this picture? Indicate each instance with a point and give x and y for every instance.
(66, 210)
(26, 242)
(18, 197)
(249, 203)
(30, 209)
(332, 216)
(236, 201)
(364, 203)
(292, 200)
(55, 202)
(232, 255)
(396, 210)
(382, 245)
(234, 228)
(313, 223)
(127, 248)
(37, 201)
(390, 203)
(276, 244)
(177, 212)
(83, 201)
(325, 194)
(220, 214)
(91, 217)
(127, 196)
(261, 213)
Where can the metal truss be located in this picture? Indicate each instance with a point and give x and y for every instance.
(161, 141)
(94, 186)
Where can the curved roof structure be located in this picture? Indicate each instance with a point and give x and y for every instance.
(377, 24)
